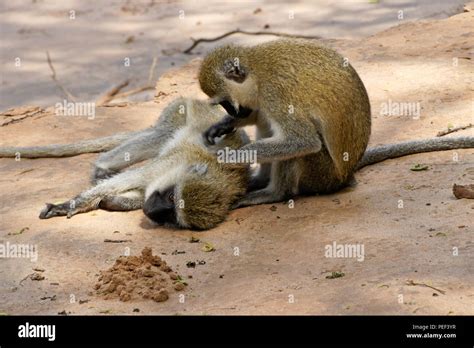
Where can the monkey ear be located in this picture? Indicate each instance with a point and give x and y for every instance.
(199, 169)
(234, 71)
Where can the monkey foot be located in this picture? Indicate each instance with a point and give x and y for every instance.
(52, 210)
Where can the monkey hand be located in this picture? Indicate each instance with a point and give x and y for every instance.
(216, 131)
(52, 210)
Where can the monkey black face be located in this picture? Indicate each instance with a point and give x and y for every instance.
(242, 112)
(160, 207)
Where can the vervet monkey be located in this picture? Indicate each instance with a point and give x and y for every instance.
(183, 185)
(311, 110)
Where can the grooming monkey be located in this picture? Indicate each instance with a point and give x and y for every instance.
(183, 184)
(312, 115)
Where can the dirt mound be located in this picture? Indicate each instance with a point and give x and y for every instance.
(146, 276)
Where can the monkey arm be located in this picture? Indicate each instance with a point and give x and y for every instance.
(282, 148)
(142, 146)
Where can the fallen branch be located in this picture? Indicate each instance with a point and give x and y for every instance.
(117, 240)
(68, 95)
(112, 93)
(20, 117)
(452, 130)
(15, 120)
(133, 91)
(28, 276)
(116, 105)
(238, 31)
(411, 282)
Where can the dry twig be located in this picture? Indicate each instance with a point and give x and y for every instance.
(238, 31)
(452, 130)
(133, 91)
(112, 93)
(33, 112)
(411, 282)
(117, 240)
(68, 95)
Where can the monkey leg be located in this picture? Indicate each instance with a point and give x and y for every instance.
(80, 205)
(52, 210)
(117, 192)
(131, 200)
(143, 146)
(262, 196)
(261, 179)
(283, 185)
(69, 208)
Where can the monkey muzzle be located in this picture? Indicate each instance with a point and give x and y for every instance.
(240, 112)
(160, 209)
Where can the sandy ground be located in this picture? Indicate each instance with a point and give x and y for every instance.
(271, 259)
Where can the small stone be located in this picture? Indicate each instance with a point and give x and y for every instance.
(37, 276)
(179, 286)
(161, 296)
(191, 264)
(125, 296)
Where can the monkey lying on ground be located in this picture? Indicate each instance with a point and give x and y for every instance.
(183, 184)
(127, 190)
(312, 115)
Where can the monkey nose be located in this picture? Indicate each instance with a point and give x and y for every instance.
(159, 213)
(161, 216)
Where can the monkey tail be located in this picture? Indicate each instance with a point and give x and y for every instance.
(384, 152)
(67, 150)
